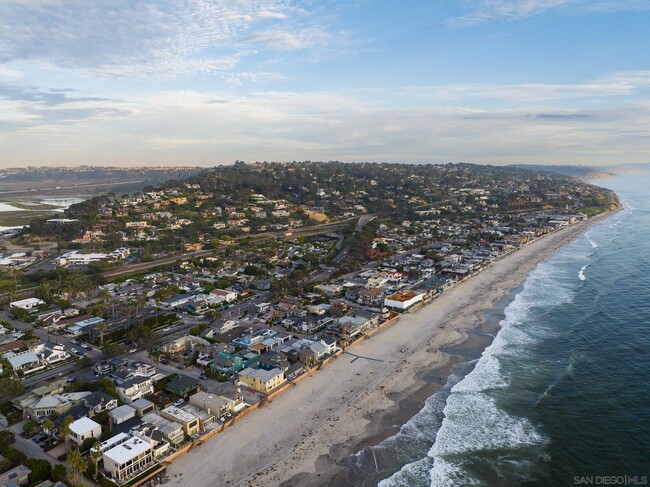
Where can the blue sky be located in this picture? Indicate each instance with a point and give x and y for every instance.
(208, 82)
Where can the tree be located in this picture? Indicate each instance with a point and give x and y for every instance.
(48, 426)
(108, 386)
(96, 454)
(15, 456)
(64, 431)
(101, 328)
(11, 388)
(7, 438)
(29, 427)
(41, 470)
(78, 465)
(59, 473)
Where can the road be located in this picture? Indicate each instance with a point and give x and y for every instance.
(363, 221)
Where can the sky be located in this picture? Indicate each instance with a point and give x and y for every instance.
(201, 82)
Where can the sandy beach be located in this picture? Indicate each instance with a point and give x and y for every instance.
(364, 395)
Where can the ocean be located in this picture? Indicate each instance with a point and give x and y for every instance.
(562, 394)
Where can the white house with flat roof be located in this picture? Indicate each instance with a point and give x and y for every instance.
(403, 300)
(84, 428)
(26, 304)
(127, 459)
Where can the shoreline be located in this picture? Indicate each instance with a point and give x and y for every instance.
(301, 435)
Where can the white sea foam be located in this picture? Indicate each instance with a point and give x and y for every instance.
(484, 378)
(474, 424)
(581, 274)
(593, 244)
(412, 474)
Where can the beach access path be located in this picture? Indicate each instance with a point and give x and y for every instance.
(302, 433)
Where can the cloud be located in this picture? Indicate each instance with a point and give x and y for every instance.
(481, 11)
(29, 106)
(192, 127)
(159, 38)
(7, 72)
(42, 97)
(560, 116)
(615, 85)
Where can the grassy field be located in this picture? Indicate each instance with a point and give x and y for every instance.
(17, 218)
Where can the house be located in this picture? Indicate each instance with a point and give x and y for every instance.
(370, 296)
(51, 353)
(262, 380)
(189, 421)
(403, 300)
(135, 388)
(228, 363)
(121, 414)
(182, 385)
(177, 301)
(271, 360)
(127, 459)
(220, 295)
(152, 435)
(16, 476)
(27, 304)
(171, 430)
(99, 402)
(143, 406)
(83, 429)
(218, 405)
(186, 343)
(55, 404)
(26, 361)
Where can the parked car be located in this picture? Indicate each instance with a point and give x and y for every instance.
(179, 402)
(86, 346)
(74, 350)
(133, 350)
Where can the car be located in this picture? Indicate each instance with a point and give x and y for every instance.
(179, 402)
(133, 350)
(203, 376)
(75, 342)
(86, 346)
(74, 350)
(167, 329)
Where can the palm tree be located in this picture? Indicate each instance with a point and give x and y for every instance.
(95, 454)
(78, 465)
(101, 328)
(48, 426)
(65, 431)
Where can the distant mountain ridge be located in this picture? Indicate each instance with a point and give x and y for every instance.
(580, 171)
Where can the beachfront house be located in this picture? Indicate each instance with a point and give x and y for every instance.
(262, 380)
(403, 301)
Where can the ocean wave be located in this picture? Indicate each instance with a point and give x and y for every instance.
(593, 244)
(483, 378)
(475, 428)
(581, 274)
